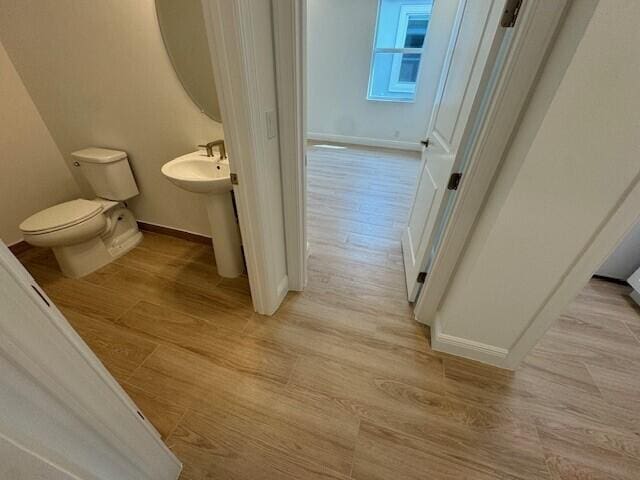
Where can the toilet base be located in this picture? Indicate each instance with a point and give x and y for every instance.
(121, 236)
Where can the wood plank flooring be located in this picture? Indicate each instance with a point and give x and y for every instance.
(341, 383)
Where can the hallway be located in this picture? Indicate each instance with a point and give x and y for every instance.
(358, 205)
(341, 382)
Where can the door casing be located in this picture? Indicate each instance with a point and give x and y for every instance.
(523, 53)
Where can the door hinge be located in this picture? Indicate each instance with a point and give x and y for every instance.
(510, 14)
(422, 276)
(454, 181)
(234, 178)
(425, 142)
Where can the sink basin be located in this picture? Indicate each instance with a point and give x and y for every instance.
(195, 172)
(209, 176)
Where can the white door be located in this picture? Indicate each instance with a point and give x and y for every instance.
(475, 40)
(62, 415)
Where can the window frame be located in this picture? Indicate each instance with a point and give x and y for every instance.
(406, 14)
(406, 11)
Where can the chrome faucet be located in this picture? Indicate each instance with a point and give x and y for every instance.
(216, 143)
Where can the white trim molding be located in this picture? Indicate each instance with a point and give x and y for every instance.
(524, 52)
(283, 288)
(466, 348)
(366, 141)
(240, 33)
(289, 17)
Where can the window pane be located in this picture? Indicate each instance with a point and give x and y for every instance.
(401, 24)
(387, 75)
(409, 67)
(416, 31)
(398, 19)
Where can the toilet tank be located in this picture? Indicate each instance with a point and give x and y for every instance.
(108, 172)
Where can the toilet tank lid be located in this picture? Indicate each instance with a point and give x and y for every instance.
(99, 155)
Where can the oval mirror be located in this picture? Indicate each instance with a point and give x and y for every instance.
(185, 38)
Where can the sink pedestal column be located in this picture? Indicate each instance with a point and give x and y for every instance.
(226, 235)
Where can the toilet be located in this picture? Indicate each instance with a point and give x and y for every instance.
(86, 235)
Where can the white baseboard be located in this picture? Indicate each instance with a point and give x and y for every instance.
(369, 142)
(281, 292)
(466, 348)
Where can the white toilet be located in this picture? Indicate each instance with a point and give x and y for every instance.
(85, 235)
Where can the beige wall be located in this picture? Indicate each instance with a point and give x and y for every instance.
(339, 44)
(33, 175)
(572, 164)
(99, 75)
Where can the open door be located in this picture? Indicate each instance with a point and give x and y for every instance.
(474, 43)
(62, 415)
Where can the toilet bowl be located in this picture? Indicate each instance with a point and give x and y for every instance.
(86, 235)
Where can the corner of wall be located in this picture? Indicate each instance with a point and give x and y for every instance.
(33, 166)
(463, 347)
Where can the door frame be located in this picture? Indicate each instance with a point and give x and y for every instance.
(523, 53)
(246, 87)
(289, 20)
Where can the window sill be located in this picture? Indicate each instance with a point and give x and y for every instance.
(390, 100)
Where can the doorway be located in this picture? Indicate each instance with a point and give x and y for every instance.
(412, 76)
(358, 201)
(479, 101)
(367, 124)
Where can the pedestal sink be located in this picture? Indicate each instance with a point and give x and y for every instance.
(198, 173)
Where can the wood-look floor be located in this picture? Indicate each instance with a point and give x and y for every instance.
(341, 383)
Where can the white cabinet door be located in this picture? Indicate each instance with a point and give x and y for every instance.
(57, 401)
(474, 42)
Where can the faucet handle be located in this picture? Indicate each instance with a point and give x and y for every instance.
(209, 149)
(216, 143)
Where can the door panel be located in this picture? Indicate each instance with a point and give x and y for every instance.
(61, 404)
(425, 196)
(436, 168)
(18, 462)
(450, 109)
(474, 42)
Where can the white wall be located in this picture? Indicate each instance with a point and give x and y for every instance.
(33, 175)
(99, 75)
(339, 43)
(573, 163)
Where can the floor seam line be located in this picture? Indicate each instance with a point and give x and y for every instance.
(126, 311)
(126, 380)
(631, 331)
(175, 427)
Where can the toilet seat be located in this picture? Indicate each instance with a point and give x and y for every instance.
(61, 216)
(86, 235)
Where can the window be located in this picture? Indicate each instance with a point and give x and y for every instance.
(397, 52)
